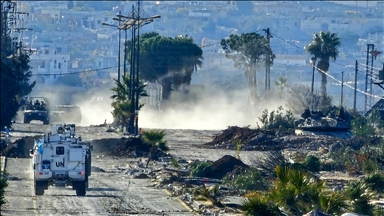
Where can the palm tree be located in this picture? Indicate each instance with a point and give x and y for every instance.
(156, 140)
(280, 84)
(332, 203)
(122, 102)
(259, 204)
(298, 193)
(323, 48)
(360, 195)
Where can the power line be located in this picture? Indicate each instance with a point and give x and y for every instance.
(286, 41)
(370, 67)
(332, 77)
(346, 84)
(77, 72)
(344, 65)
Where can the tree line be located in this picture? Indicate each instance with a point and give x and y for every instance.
(169, 61)
(172, 61)
(15, 80)
(249, 51)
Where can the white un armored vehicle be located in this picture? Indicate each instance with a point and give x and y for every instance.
(61, 159)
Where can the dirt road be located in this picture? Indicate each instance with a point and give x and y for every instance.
(112, 191)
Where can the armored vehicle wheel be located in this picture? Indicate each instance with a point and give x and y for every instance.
(81, 188)
(39, 187)
(88, 165)
(86, 182)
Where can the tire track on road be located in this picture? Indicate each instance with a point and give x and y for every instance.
(32, 186)
(120, 204)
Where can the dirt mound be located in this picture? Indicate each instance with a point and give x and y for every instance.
(266, 140)
(225, 165)
(246, 136)
(20, 148)
(131, 147)
(107, 144)
(122, 147)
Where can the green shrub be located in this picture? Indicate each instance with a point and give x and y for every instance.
(250, 179)
(201, 169)
(278, 120)
(156, 139)
(331, 166)
(369, 167)
(360, 195)
(260, 205)
(238, 149)
(296, 166)
(378, 211)
(376, 182)
(312, 163)
(3, 185)
(163, 146)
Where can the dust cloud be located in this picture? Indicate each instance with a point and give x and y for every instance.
(214, 110)
(95, 104)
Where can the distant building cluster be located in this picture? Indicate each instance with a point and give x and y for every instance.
(77, 41)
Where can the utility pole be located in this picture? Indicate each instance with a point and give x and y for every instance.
(355, 89)
(368, 78)
(381, 78)
(137, 72)
(133, 22)
(132, 77)
(118, 60)
(342, 89)
(125, 53)
(313, 61)
(267, 62)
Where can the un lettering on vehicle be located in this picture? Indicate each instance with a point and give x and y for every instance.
(60, 163)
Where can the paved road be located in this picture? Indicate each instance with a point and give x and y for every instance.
(110, 193)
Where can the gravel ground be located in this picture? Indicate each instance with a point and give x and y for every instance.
(112, 191)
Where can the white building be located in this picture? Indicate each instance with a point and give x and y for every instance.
(47, 64)
(354, 24)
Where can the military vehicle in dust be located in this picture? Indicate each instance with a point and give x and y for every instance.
(61, 159)
(36, 108)
(316, 121)
(67, 113)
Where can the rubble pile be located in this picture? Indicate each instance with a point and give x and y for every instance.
(223, 166)
(121, 147)
(130, 147)
(266, 140)
(19, 148)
